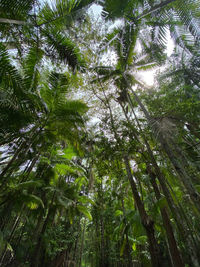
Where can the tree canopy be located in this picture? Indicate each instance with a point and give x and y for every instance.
(98, 168)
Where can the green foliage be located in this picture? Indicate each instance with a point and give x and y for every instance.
(85, 211)
(99, 192)
(63, 48)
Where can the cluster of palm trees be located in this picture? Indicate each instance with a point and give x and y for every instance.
(52, 164)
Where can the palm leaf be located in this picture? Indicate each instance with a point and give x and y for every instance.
(53, 12)
(9, 76)
(109, 39)
(30, 200)
(113, 9)
(85, 211)
(63, 48)
(189, 14)
(25, 185)
(62, 11)
(15, 9)
(31, 65)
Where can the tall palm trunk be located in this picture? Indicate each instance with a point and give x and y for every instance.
(191, 246)
(128, 248)
(30, 168)
(147, 222)
(180, 170)
(174, 251)
(82, 244)
(14, 227)
(17, 152)
(185, 179)
(36, 255)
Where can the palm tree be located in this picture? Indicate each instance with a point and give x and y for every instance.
(122, 77)
(124, 45)
(57, 122)
(181, 20)
(45, 27)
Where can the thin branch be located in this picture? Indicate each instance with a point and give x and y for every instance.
(153, 9)
(12, 21)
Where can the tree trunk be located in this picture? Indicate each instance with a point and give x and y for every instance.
(182, 174)
(128, 248)
(174, 251)
(82, 243)
(185, 179)
(177, 216)
(26, 144)
(16, 222)
(148, 223)
(22, 145)
(36, 255)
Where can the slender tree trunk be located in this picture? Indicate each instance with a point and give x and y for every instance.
(148, 223)
(174, 251)
(82, 243)
(5, 216)
(36, 255)
(185, 179)
(24, 145)
(29, 169)
(16, 222)
(182, 174)
(128, 248)
(193, 255)
(76, 243)
(21, 147)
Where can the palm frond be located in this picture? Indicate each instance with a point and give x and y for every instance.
(113, 9)
(178, 34)
(15, 9)
(54, 90)
(61, 11)
(125, 45)
(63, 48)
(31, 64)
(9, 76)
(109, 39)
(76, 106)
(56, 79)
(55, 11)
(154, 53)
(105, 74)
(148, 66)
(189, 14)
(70, 112)
(159, 32)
